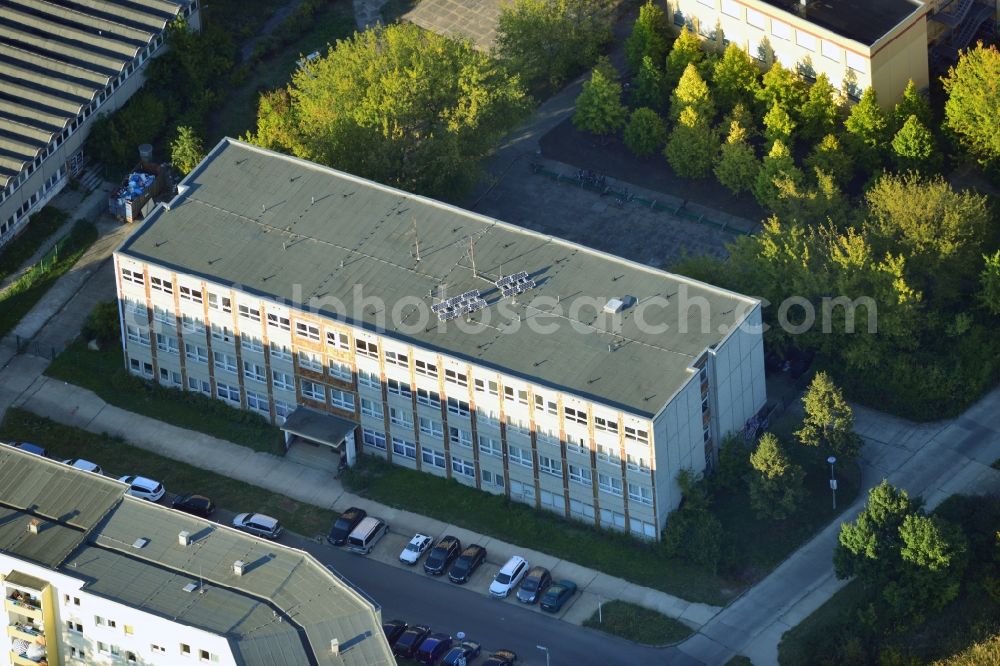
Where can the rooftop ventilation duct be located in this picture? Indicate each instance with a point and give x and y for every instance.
(335, 646)
(184, 538)
(238, 567)
(34, 526)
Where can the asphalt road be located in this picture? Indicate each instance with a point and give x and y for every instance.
(415, 598)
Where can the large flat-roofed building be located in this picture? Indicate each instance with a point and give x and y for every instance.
(379, 321)
(93, 576)
(882, 44)
(62, 63)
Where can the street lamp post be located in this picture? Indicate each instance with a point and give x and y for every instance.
(833, 481)
(546, 651)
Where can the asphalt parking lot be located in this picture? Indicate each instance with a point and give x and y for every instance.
(407, 593)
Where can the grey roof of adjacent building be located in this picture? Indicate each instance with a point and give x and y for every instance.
(277, 226)
(864, 21)
(56, 56)
(285, 608)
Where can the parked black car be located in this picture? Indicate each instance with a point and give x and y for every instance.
(501, 658)
(406, 645)
(393, 630)
(198, 505)
(558, 594)
(535, 582)
(446, 550)
(342, 527)
(466, 564)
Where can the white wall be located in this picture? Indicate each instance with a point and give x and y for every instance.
(148, 629)
(738, 377)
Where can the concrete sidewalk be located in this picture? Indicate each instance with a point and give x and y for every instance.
(932, 460)
(79, 407)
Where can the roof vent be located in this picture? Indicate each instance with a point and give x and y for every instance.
(335, 646)
(184, 538)
(238, 567)
(614, 306)
(190, 587)
(140, 543)
(34, 526)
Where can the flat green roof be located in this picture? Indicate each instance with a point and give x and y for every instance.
(294, 231)
(284, 609)
(313, 606)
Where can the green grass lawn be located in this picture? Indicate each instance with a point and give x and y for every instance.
(103, 372)
(238, 113)
(611, 552)
(118, 458)
(25, 293)
(834, 635)
(40, 227)
(638, 624)
(752, 557)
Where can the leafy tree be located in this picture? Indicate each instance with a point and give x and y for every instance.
(912, 104)
(649, 37)
(829, 420)
(867, 128)
(829, 157)
(783, 86)
(547, 42)
(941, 232)
(693, 533)
(778, 125)
(692, 91)
(735, 78)
(733, 468)
(820, 112)
(398, 105)
(276, 123)
(738, 165)
(103, 324)
(692, 146)
(777, 166)
(739, 114)
(645, 133)
(186, 150)
(866, 544)
(972, 110)
(908, 563)
(914, 148)
(818, 201)
(599, 108)
(686, 50)
(113, 137)
(649, 87)
(776, 484)
(990, 280)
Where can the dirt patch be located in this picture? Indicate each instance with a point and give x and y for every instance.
(567, 144)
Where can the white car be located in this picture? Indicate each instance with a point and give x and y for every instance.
(508, 577)
(147, 489)
(258, 524)
(85, 465)
(418, 546)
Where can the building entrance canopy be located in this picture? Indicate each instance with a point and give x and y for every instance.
(322, 428)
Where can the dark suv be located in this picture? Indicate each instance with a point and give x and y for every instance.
(466, 564)
(535, 582)
(342, 527)
(446, 550)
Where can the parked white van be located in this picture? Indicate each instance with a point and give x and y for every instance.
(364, 537)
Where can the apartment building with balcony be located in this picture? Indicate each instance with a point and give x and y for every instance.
(62, 64)
(90, 575)
(880, 44)
(374, 321)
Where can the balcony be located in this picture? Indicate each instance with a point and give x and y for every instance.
(32, 610)
(27, 632)
(19, 660)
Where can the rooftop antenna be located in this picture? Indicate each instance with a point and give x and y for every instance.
(416, 237)
(472, 255)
